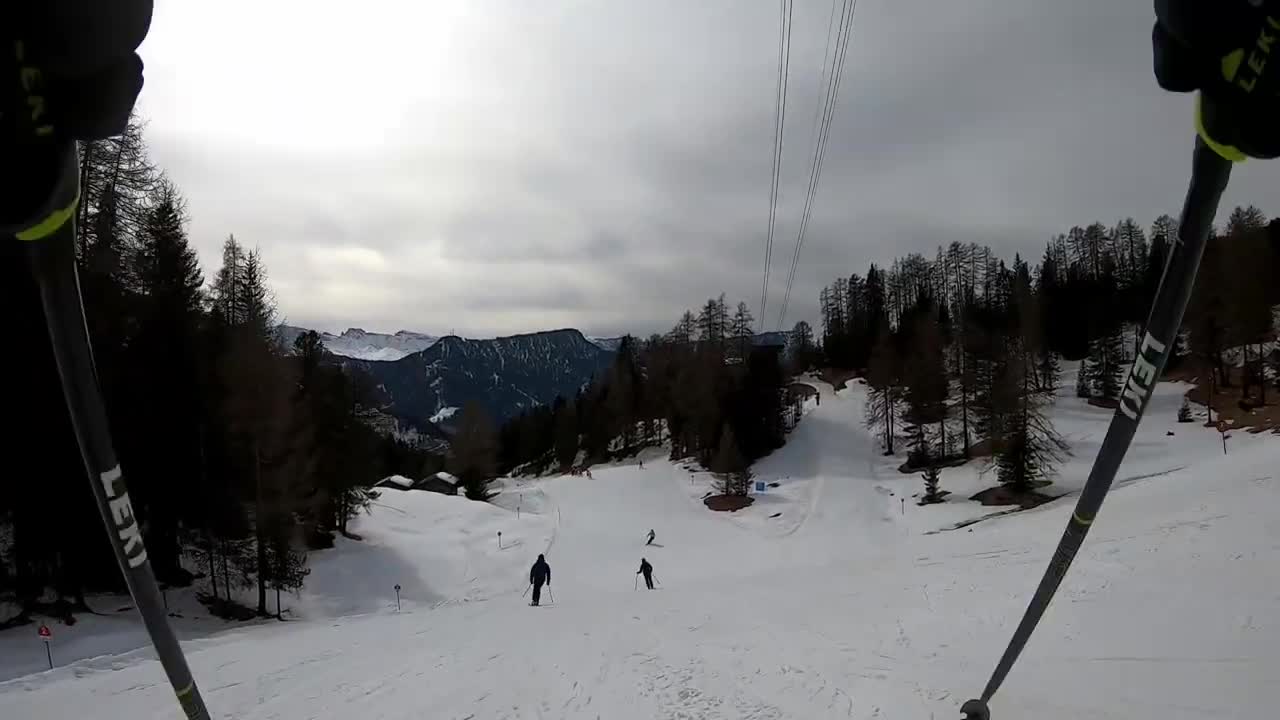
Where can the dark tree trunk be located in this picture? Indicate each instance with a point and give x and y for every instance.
(260, 539)
(1262, 376)
(213, 573)
(1246, 378)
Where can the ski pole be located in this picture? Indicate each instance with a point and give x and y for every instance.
(551, 594)
(50, 247)
(636, 585)
(1209, 176)
(526, 590)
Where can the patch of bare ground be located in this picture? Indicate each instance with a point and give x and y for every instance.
(1240, 413)
(955, 461)
(728, 503)
(983, 448)
(1024, 498)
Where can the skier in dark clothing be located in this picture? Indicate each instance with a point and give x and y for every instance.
(652, 535)
(539, 574)
(647, 570)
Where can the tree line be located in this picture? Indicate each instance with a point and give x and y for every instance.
(706, 387)
(963, 348)
(239, 454)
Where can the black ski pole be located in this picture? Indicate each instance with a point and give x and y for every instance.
(1210, 173)
(50, 245)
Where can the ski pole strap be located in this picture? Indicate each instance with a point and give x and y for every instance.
(39, 190)
(51, 224)
(1210, 174)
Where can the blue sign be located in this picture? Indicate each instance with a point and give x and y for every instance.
(759, 486)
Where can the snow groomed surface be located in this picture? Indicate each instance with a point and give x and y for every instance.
(831, 597)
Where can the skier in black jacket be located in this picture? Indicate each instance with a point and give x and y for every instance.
(647, 570)
(539, 574)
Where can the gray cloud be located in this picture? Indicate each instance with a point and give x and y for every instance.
(497, 167)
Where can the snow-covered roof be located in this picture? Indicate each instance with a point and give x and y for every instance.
(451, 479)
(400, 480)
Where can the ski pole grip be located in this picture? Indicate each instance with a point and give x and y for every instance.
(975, 710)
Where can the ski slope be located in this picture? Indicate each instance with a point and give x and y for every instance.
(829, 598)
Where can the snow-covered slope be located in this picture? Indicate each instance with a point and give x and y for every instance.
(828, 598)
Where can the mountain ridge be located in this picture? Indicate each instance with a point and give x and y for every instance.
(505, 375)
(358, 343)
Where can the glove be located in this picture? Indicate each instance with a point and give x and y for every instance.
(78, 58)
(1228, 50)
(68, 72)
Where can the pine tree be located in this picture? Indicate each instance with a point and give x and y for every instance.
(288, 568)
(713, 321)
(343, 447)
(741, 328)
(1048, 371)
(1208, 317)
(802, 345)
(932, 476)
(1184, 411)
(473, 452)
(1084, 385)
(117, 178)
(686, 330)
(268, 430)
(161, 374)
(228, 284)
(566, 443)
(626, 386)
(882, 395)
(926, 388)
(1249, 295)
(1107, 365)
(730, 467)
(1245, 220)
(994, 398)
(264, 424)
(1027, 447)
(965, 364)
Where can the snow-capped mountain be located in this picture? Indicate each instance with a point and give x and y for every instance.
(362, 345)
(505, 375)
(610, 343)
(429, 386)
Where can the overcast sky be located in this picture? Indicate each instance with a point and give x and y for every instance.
(499, 166)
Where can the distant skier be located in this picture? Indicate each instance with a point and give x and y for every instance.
(539, 574)
(647, 570)
(652, 535)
